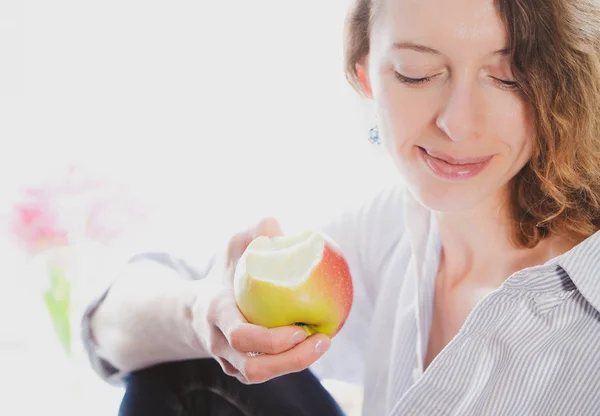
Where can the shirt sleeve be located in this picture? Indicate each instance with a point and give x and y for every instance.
(102, 367)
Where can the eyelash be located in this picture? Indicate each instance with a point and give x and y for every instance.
(509, 85)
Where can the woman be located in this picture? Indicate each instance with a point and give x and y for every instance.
(476, 283)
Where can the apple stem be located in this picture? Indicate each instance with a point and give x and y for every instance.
(307, 328)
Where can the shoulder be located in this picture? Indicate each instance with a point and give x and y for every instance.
(383, 213)
(382, 216)
(376, 221)
(381, 231)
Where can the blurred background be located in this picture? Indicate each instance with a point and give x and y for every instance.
(129, 125)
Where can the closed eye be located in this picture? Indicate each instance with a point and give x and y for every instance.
(510, 85)
(412, 81)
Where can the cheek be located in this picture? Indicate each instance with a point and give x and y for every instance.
(403, 114)
(511, 122)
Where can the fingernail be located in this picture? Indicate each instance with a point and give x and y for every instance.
(321, 347)
(298, 337)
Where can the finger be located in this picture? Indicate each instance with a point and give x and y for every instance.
(227, 367)
(232, 362)
(269, 227)
(245, 337)
(265, 367)
(254, 338)
(237, 245)
(221, 351)
(241, 378)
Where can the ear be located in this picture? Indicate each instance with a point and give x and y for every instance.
(362, 72)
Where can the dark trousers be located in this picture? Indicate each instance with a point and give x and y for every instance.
(200, 388)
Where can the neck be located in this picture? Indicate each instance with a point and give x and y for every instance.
(477, 245)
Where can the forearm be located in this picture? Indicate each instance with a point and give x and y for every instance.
(145, 318)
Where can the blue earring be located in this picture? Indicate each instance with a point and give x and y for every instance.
(374, 136)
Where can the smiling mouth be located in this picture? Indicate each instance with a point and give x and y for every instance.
(455, 161)
(449, 168)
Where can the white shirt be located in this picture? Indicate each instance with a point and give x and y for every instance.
(530, 347)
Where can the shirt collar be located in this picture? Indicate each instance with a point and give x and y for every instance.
(582, 264)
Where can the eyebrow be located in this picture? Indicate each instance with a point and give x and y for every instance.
(426, 49)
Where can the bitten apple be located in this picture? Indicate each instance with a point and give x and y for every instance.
(301, 279)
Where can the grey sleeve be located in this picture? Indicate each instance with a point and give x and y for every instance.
(103, 368)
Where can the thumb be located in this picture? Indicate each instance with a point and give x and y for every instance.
(268, 227)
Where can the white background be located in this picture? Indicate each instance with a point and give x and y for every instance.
(219, 112)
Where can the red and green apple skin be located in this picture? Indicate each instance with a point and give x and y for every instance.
(308, 283)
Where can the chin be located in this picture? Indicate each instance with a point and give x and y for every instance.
(444, 197)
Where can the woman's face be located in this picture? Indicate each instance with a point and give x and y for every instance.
(449, 114)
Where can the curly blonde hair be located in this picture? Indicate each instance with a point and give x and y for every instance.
(554, 48)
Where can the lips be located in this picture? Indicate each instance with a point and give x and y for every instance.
(452, 169)
(456, 161)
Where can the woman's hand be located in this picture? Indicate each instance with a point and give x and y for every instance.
(251, 353)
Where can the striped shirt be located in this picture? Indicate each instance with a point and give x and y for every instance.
(531, 347)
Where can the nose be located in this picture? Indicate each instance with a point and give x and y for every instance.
(461, 114)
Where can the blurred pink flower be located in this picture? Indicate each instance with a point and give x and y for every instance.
(77, 204)
(36, 222)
